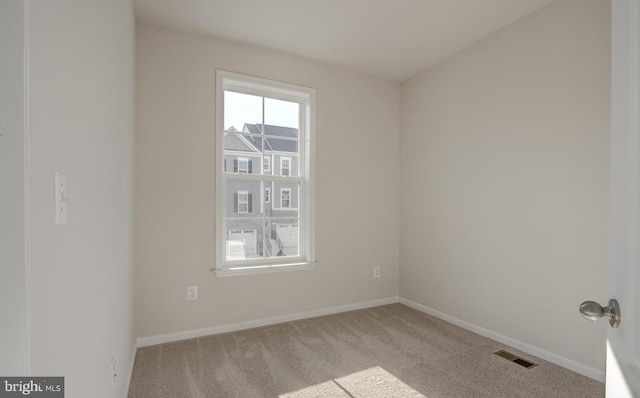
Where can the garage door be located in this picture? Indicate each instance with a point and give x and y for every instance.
(246, 236)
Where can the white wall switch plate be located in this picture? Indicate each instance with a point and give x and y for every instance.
(60, 201)
(113, 372)
(192, 293)
(376, 272)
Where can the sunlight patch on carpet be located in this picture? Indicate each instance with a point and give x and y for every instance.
(372, 383)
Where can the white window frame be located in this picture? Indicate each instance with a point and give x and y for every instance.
(266, 164)
(246, 169)
(282, 160)
(282, 191)
(244, 202)
(305, 179)
(267, 195)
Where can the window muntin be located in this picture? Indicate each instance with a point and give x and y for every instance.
(266, 164)
(243, 166)
(285, 166)
(243, 202)
(270, 123)
(285, 198)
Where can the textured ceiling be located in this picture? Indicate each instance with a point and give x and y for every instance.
(392, 39)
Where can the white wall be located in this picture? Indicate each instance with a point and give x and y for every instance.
(80, 113)
(504, 191)
(13, 308)
(357, 187)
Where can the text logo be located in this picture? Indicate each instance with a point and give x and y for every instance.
(37, 387)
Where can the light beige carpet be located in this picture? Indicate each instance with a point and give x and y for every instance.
(387, 351)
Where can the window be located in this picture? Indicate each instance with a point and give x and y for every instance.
(267, 164)
(242, 202)
(268, 122)
(285, 166)
(285, 198)
(242, 166)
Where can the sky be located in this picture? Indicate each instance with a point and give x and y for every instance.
(243, 108)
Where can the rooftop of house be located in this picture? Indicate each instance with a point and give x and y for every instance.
(272, 142)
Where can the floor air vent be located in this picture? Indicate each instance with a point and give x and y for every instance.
(516, 359)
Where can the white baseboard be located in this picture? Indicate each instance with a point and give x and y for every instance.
(190, 334)
(132, 361)
(530, 349)
(524, 347)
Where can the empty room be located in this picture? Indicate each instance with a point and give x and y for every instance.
(337, 198)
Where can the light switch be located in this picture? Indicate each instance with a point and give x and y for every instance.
(60, 198)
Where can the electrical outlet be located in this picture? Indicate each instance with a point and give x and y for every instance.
(376, 272)
(192, 293)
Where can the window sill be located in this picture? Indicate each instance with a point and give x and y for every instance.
(263, 269)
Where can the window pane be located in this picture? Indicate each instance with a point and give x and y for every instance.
(243, 198)
(241, 154)
(267, 195)
(244, 239)
(243, 202)
(266, 164)
(240, 109)
(285, 165)
(282, 237)
(243, 166)
(286, 198)
(277, 207)
(280, 145)
(281, 117)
